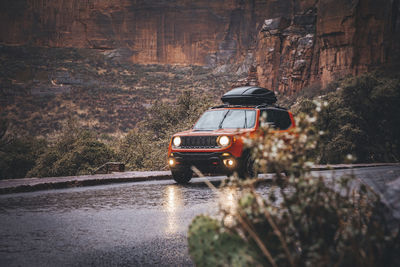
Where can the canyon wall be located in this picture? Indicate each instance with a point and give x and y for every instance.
(146, 31)
(292, 43)
(323, 40)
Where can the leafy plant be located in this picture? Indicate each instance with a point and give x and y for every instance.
(303, 220)
(18, 155)
(75, 152)
(359, 119)
(144, 148)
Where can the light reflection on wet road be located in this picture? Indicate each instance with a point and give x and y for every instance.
(113, 225)
(124, 224)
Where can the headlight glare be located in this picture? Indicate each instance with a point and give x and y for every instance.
(177, 141)
(224, 140)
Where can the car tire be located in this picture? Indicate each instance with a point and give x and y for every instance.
(182, 176)
(247, 169)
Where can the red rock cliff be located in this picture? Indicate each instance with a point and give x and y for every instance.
(292, 43)
(320, 41)
(153, 31)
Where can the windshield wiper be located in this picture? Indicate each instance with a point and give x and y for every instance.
(222, 121)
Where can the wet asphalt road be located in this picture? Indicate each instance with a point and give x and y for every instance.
(131, 224)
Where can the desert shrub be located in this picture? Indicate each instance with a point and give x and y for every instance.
(134, 149)
(359, 118)
(18, 155)
(144, 148)
(165, 118)
(75, 152)
(302, 221)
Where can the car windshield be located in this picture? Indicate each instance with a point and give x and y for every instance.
(226, 119)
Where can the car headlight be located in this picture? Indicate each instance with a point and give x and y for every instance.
(223, 141)
(177, 141)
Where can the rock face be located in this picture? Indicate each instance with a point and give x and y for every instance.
(150, 31)
(293, 43)
(320, 41)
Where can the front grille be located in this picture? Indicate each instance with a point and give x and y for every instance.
(199, 142)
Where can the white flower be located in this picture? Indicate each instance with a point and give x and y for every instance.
(317, 103)
(311, 119)
(280, 144)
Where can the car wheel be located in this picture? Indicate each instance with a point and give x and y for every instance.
(182, 176)
(247, 169)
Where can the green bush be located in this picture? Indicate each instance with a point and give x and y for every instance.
(134, 150)
(303, 220)
(145, 147)
(18, 156)
(360, 118)
(167, 118)
(75, 152)
(211, 245)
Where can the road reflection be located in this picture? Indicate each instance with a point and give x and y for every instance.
(228, 203)
(173, 203)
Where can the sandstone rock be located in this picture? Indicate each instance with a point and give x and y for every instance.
(250, 80)
(327, 40)
(154, 31)
(333, 37)
(275, 25)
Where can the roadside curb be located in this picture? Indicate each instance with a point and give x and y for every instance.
(351, 166)
(48, 183)
(37, 184)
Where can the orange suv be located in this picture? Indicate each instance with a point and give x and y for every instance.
(215, 144)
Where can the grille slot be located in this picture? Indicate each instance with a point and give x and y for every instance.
(199, 142)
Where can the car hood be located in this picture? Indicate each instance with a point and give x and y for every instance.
(214, 132)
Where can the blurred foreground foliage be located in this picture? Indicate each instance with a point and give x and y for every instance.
(302, 220)
(360, 118)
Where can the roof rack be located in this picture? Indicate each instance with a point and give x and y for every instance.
(245, 106)
(265, 105)
(270, 106)
(234, 106)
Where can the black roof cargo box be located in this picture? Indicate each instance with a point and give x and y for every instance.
(249, 95)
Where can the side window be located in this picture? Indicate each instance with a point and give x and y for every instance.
(278, 119)
(268, 116)
(284, 120)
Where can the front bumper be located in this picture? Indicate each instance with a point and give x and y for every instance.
(206, 162)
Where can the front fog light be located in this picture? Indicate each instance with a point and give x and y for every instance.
(177, 141)
(230, 163)
(223, 140)
(171, 162)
